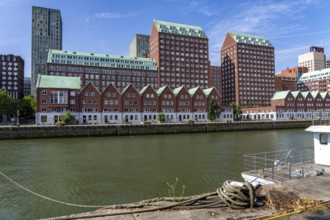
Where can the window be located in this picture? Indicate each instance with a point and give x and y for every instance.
(44, 92)
(58, 97)
(72, 93)
(323, 139)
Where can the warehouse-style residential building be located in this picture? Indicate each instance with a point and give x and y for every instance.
(181, 54)
(58, 94)
(46, 34)
(247, 70)
(103, 69)
(12, 75)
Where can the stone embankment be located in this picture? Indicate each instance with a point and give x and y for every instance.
(42, 131)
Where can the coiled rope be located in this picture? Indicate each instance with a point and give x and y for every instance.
(236, 195)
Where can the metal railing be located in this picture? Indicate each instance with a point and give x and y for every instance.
(277, 165)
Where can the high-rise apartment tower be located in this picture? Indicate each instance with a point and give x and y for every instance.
(247, 70)
(181, 54)
(46, 34)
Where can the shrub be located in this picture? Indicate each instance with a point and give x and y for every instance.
(190, 121)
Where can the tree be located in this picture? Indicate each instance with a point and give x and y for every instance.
(26, 107)
(161, 117)
(237, 110)
(6, 105)
(214, 110)
(67, 118)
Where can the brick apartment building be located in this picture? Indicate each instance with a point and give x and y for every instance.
(315, 81)
(57, 94)
(103, 69)
(181, 54)
(287, 79)
(292, 105)
(215, 77)
(12, 75)
(247, 70)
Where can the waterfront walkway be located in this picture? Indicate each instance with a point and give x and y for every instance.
(285, 197)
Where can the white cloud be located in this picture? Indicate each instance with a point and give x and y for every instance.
(261, 18)
(113, 15)
(202, 8)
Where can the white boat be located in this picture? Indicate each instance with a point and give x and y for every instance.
(285, 165)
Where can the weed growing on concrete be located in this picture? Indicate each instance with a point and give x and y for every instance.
(172, 189)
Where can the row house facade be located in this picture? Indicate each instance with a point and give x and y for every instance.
(292, 105)
(56, 95)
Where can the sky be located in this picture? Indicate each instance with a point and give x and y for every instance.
(108, 26)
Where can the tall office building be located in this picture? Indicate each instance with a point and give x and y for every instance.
(27, 86)
(314, 60)
(181, 54)
(247, 70)
(12, 75)
(46, 34)
(139, 46)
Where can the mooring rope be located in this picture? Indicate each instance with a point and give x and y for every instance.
(236, 195)
(47, 198)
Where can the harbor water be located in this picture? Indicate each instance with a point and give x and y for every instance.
(112, 170)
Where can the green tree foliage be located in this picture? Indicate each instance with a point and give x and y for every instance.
(237, 110)
(6, 104)
(67, 118)
(10, 107)
(26, 106)
(161, 117)
(214, 110)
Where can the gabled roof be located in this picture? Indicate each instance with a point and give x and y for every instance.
(192, 91)
(305, 94)
(314, 94)
(145, 89)
(58, 82)
(88, 84)
(295, 93)
(111, 84)
(180, 29)
(176, 91)
(280, 95)
(129, 85)
(323, 94)
(250, 39)
(162, 89)
(208, 91)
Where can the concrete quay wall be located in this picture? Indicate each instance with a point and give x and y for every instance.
(26, 132)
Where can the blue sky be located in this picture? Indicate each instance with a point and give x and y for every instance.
(108, 26)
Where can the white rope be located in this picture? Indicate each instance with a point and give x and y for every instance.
(47, 198)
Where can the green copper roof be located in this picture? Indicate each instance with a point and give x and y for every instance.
(323, 94)
(314, 94)
(192, 91)
(295, 93)
(305, 94)
(208, 91)
(177, 90)
(58, 82)
(250, 39)
(280, 95)
(144, 89)
(103, 60)
(161, 90)
(180, 29)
